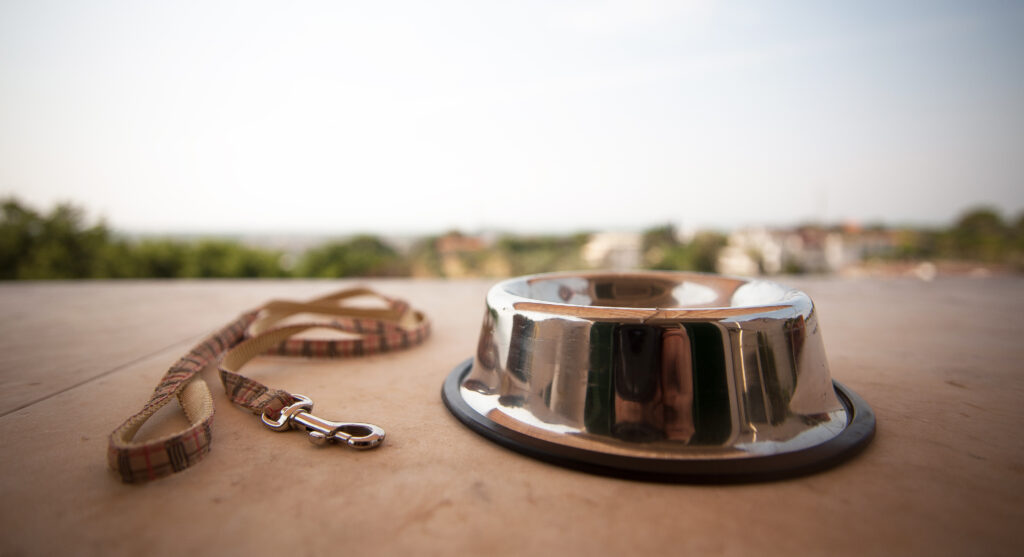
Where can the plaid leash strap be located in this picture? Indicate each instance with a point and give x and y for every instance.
(369, 331)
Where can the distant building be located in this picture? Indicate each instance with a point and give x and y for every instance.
(613, 250)
(455, 251)
(455, 242)
(752, 251)
(806, 249)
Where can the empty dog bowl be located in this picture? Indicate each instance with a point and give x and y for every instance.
(658, 375)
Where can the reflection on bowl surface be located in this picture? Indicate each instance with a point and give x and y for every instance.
(657, 365)
(649, 290)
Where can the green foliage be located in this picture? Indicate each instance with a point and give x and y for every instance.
(61, 245)
(161, 259)
(980, 235)
(538, 254)
(659, 237)
(361, 256)
(57, 245)
(214, 258)
(913, 244)
(663, 251)
(425, 257)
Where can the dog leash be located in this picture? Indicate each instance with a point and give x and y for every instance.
(369, 331)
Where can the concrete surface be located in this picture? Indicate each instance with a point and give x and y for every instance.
(940, 363)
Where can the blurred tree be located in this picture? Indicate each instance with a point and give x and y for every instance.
(56, 246)
(1015, 257)
(424, 258)
(1018, 233)
(659, 237)
(358, 257)
(665, 252)
(537, 254)
(61, 245)
(220, 258)
(915, 244)
(981, 235)
(18, 232)
(159, 259)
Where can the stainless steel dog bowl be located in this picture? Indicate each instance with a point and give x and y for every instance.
(658, 375)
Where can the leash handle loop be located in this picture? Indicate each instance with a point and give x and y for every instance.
(253, 333)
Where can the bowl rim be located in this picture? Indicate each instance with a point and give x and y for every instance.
(792, 300)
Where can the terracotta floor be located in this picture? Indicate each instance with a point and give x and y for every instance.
(941, 363)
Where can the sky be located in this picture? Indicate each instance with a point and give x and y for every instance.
(413, 117)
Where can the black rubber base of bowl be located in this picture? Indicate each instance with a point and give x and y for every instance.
(858, 433)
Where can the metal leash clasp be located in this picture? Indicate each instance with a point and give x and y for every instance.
(321, 431)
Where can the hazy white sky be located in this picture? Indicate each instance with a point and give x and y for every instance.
(422, 116)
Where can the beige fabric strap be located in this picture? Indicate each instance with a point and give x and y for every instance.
(369, 330)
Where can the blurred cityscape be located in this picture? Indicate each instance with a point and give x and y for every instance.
(61, 243)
